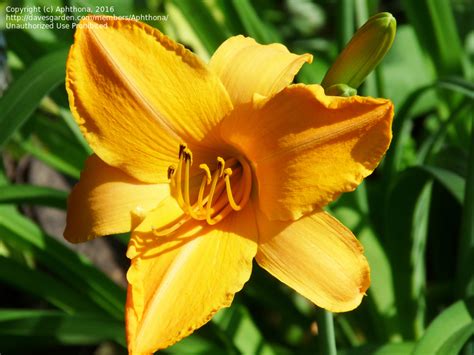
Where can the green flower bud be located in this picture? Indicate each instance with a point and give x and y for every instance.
(363, 53)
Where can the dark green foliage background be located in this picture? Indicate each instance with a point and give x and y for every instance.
(414, 215)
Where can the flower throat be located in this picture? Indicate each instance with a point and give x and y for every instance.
(221, 191)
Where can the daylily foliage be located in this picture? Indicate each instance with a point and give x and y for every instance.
(211, 166)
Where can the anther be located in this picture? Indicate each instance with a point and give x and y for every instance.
(171, 170)
(220, 166)
(207, 171)
(188, 155)
(182, 147)
(230, 196)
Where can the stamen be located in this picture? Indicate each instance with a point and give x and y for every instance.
(213, 205)
(171, 170)
(182, 147)
(211, 193)
(247, 176)
(206, 180)
(220, 166)
(188, 158)
(207, 171)
(233, 204)
(178, 175)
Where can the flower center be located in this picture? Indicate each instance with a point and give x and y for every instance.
(221, 191)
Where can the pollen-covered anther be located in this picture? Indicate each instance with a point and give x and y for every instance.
(171, 170)
(218, 193)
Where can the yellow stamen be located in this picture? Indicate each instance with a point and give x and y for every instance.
(178, 182)
(206, 180)
(213, 205)
(171, 170)
(220, 166)
(233, 204)
(247, 176)
(188, 159)
(213, 190)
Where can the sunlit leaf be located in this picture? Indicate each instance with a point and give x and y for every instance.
(25, 94)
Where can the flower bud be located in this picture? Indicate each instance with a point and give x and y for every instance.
(363, 53)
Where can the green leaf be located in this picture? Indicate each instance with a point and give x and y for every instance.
(449, 331)
(34, 195)
(25, 94)
(403, 74)
(386, 349)
(435, 140)
(458, 85)
(200, 17)
(345, 24)
(52, 158)
(435, 26)
(44, 286)
(466, 244)
(454, 183)
(353, 211)
(238, 325)
(73, 126)
(29, 329)
(195, 344)
(74, 269)
(406, 225)
(253, 24)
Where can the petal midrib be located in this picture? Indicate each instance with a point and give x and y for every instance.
(132, 88)
(166, 282)
(326, 134)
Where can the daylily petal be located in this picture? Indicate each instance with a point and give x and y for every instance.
(247, 67)
(136, 95)
(178, 282)
(318, 257)
(102, 202)
(307, 148)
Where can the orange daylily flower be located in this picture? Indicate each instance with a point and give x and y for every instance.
(211, 166)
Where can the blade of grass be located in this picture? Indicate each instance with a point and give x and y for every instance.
(402, 123)
(25, 94)
(345, 25)
(406, 226)
(385, 349)
(200, 17)
(432, 143)
(44, 286)
(326, 335)
(73, 268)
(28, 329)
(71, 123)
(466, 245)
(450, 329)
(34, 195)
(48, 157)
(458, 85)
(253, 24)
(452, 182)
(239, 327)
(436, 30)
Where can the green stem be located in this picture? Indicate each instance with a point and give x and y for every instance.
(326, 337)
(362, 14)
(345, 26)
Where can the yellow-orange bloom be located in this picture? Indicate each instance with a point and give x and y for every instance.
(211, 166)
